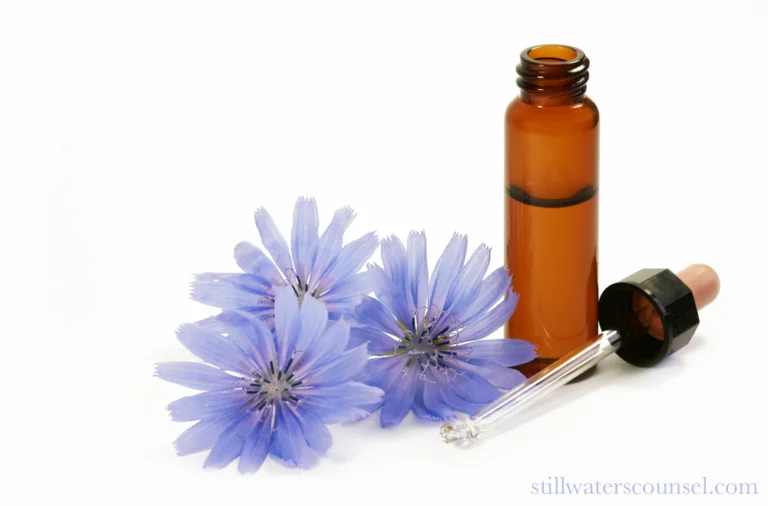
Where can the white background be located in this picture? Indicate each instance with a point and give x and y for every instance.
(138, 137)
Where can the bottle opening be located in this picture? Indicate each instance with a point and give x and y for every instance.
(552, 74)
(552, 53)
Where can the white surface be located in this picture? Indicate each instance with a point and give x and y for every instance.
(138, 137)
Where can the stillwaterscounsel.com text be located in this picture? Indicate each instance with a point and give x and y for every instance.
(559, 485)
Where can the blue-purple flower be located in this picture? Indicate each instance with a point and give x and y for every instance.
(268, 393)
(426, 331)
(317, 265)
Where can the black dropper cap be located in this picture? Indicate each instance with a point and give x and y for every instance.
(669, 297)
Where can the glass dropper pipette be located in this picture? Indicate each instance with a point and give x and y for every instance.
(649, 315)
(538, 386)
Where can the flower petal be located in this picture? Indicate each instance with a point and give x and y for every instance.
(331, 413)
(389, 294)
(419, 408)
(504, 378)
(490, 321)
(304, 235)
(207, 405)
(213, 348)
(474, 388)
(201, 435)
(288, 443)
(452, 400)
(230, 291)
(507, 352)
(378, 342)
(287, 323)
(470, 277)
(194, 375)
(433, 402)
(250, 335)
(265, 315)
(445, 273)
(491, 289)
(418, 277)
(283, 447)
(398, 401)
(230, 444)
(348, 289)
(347, 365)
(316, 434)
(341, 403)
(329, 245)
(349, 261)
(352, 393)
(273, 241)
(393, 257)
(253, 261)
(326, 348)
(456, 403)
(314, 320)
(383, 372)
(256, 447)
(372, 313)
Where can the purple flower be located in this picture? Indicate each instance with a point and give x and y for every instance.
(427, 331)
(317, 265)
(264, 393)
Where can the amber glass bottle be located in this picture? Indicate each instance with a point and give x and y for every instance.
(551, 136)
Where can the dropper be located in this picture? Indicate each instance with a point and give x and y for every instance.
(645, 318)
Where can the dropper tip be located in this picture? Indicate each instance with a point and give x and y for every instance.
(459, 432)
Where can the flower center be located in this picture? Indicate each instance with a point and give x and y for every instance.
(300, 287)
(421, 347)
(425, 352)
(272, 386)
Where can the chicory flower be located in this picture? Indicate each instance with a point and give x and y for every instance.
(426, 332)
(315, 265)
(268, 393)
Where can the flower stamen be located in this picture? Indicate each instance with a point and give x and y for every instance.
(274, 386)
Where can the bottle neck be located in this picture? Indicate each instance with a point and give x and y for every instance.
(552, 75)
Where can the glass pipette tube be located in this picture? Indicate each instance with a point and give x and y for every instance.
(537, 387)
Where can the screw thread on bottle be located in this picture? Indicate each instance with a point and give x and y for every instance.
(551, 72)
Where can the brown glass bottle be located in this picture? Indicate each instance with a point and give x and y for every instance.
(551, 180)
